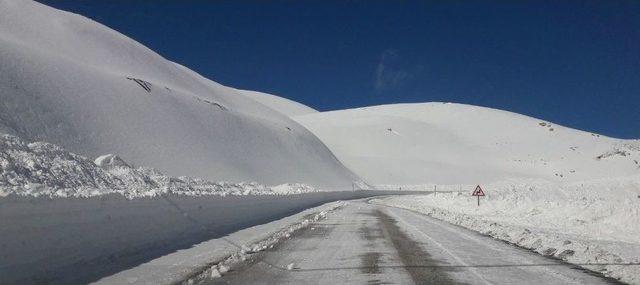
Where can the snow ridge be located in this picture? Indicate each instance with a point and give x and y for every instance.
(44, 169)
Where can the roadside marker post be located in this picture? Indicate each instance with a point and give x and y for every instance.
(478, 192)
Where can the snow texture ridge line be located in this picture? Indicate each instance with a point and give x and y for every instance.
(43, 169)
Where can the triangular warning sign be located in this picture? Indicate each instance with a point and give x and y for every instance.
(478, 191)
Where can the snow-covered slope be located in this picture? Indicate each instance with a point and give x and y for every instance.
(282, 105)
(70, 81)
(447, 143)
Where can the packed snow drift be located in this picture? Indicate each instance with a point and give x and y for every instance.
(44, 169)
(73, 82)
(448, 143)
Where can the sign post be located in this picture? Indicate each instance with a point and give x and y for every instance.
(478, 192)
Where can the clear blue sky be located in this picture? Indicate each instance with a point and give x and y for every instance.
(576, 63)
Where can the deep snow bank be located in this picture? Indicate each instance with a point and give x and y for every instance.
(44, 169)
(70, 81)
(447, 143)
(589, 222)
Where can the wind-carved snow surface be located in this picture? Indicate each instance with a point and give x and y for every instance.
(44, 169)
(586, 222)
(73, 82)
(447, 143)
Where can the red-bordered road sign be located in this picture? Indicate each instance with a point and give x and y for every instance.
(478, 191)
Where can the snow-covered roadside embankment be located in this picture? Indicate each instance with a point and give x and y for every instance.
(592, 222)
(44, 169)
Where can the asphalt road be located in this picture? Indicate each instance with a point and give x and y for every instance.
(371, 244)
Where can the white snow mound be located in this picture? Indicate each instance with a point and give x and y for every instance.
(73, 82)
(447, 143)
(44, 169)
(110, 160)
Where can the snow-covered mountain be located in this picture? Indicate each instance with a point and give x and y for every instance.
(445, 143)
(68, 80)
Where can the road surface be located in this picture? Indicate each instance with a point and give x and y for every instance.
(364, 243)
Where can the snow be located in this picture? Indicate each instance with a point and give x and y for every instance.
(43, 169)
(456, 143)
(70, 81)
(559, 191)
(292, 188)
(282, 105)
(556, 190)
(586, 222)
(110, 160)
(73, 90)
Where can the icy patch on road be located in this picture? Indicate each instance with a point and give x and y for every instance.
(591, 222)
(44, 169)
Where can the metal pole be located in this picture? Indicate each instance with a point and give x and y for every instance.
(478, 201)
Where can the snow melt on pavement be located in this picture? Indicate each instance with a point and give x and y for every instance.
(593, 224)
